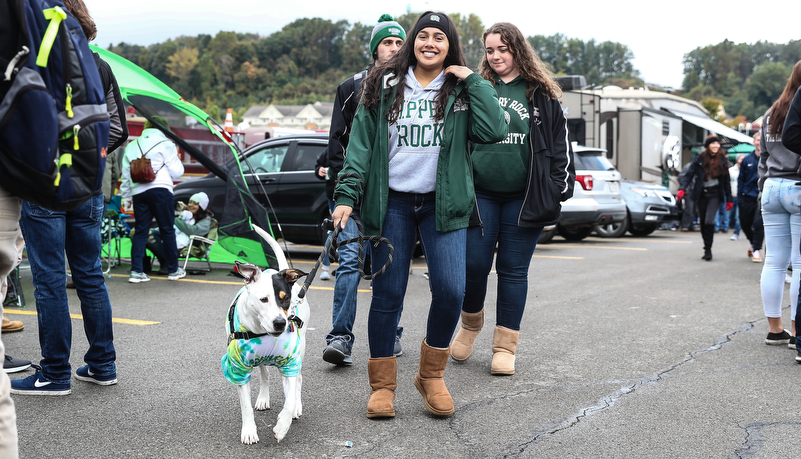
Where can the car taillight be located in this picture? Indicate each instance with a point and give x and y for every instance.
(585, 181)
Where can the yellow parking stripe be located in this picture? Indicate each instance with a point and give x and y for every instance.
(80, 317)
(596, 247)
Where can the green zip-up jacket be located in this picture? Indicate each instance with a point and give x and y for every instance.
(364, 179)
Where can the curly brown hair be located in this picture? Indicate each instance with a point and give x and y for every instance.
(79, 10)
(399, 65)
(526, 60)
(779, 109)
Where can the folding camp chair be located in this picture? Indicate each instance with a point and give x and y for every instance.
(199, 247)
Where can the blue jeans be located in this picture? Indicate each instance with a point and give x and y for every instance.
(722, 218)
(781, 214)
(516, 246)
(408, 217)
(48, 235)
(734, 214)
(158, 203)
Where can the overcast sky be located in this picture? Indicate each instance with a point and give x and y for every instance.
(659, 33)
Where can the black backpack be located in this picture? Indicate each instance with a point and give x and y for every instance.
(54, 125)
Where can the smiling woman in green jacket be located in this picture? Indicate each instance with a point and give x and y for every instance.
(408, 164)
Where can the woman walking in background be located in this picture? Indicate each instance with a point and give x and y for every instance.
(781, 215)
(711, 172)
(520, 185)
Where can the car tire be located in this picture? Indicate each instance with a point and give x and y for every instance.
(612, 229)
(574, 234)
(644, 230)
(546, 236)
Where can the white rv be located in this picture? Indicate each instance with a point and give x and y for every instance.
(648, 135)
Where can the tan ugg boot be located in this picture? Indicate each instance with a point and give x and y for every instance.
(383, 373)
(504, 346)
(462, 347)
(429, 380)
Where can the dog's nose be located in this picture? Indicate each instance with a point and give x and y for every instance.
(279, 323)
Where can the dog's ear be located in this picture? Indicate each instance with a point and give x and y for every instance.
(292, 275)
(248, 271)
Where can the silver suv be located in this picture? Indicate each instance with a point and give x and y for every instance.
(597, 199)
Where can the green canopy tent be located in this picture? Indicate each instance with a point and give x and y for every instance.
(149, 96)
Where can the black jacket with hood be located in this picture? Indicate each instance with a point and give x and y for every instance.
(791, 134)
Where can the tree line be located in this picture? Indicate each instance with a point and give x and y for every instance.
(307, 59)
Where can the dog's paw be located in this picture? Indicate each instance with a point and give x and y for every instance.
(249, 435)
(262, 403)
(298, 410)
(282, 426)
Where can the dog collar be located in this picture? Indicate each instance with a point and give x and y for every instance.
(233, 334)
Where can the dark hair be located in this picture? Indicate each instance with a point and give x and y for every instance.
(79, 10)
(712, 164)
(526, 60)
(399, 65)
(201, 214)
(779, 109)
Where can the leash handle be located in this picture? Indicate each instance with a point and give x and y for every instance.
(332, 244)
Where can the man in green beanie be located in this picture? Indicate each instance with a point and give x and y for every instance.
(385, 41)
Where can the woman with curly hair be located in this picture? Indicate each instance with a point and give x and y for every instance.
(408, 165)
(710, 170)
(520, 183)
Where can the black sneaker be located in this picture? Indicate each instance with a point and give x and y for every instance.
(12, 365)
(338, 351)
(398, 351)
(791, 344)
(778, 338)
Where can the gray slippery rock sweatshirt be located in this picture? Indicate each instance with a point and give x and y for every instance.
(775, 161)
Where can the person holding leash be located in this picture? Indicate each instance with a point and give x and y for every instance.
(385, 41)
(520, 185)
(711, 171)
(408, 166)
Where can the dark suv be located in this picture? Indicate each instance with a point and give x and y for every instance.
(279, 171)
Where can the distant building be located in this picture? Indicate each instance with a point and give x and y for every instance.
(315, 116)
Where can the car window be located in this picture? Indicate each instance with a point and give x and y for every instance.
(593, 161)
(305, 157)
(266, 160)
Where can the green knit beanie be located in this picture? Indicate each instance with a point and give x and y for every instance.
(386, 27)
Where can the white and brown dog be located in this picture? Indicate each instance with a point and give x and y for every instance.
(266, 325)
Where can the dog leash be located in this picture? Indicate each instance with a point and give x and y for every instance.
(332, 245)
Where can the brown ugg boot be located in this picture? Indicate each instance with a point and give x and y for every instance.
(504, 346)
(383, 373)
(462, 347)
(429, 380)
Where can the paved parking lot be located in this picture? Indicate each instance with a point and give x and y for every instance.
(630, 347)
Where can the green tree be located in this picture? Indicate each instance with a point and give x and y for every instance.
(471, 30)
(765, 86)
(180, 66)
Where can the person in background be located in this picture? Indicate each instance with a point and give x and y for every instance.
(48, 236)
(781, 214)
(711, 173)
(687, 204)
(748, 199)
(190, 219)
(386, 39)
(513, 204)
(321, 172)
(733, 215)
(152, 199)
(408, 164)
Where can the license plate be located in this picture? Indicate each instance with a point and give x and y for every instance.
(614, 186)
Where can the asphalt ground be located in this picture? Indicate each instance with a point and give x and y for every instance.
(630, 347)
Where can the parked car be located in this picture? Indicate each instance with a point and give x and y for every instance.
(280, 174)
(648, 206)
(596, 200)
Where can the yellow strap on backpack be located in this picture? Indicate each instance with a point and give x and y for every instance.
(55, 15)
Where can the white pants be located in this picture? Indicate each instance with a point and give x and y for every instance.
(9, 258)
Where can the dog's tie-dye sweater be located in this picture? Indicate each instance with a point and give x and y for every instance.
(282, 352)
